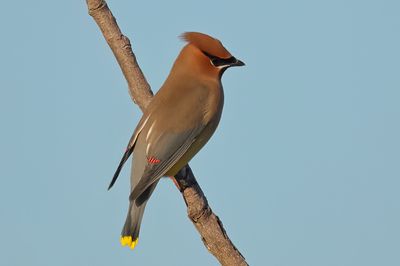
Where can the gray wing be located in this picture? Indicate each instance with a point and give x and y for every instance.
(129, 149)
(162, 154)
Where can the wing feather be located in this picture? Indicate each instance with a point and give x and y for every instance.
(129, 149)
(171, 147)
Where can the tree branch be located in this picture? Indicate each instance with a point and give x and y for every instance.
(206, 222)
(139, 88)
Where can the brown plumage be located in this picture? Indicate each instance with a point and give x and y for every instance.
(206, 44)
(177, 123)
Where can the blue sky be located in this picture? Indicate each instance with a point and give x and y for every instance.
(303, 170)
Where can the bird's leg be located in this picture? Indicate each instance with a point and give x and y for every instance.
(175, 182)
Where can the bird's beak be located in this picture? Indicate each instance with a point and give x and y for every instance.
(238, 63)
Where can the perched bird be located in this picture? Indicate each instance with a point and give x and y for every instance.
(177, 123)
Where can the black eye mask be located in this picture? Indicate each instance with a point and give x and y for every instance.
(217, 62)
(223, 62)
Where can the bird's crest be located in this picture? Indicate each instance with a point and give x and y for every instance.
(206, 43)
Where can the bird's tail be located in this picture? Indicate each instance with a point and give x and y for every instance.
(130, 232)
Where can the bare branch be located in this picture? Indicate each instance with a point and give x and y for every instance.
(139, 88)
(206, 222)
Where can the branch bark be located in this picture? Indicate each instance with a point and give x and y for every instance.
(206, 222)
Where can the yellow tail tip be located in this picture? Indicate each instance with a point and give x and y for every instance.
(127, 241)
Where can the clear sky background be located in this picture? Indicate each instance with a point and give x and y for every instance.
(303, 170)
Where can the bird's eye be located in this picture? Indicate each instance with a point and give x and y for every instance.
(217, 62)
(221, 62)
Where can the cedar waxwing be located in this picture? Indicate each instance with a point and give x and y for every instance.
(177, 123)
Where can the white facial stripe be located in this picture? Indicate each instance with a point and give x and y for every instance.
(220, 67)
